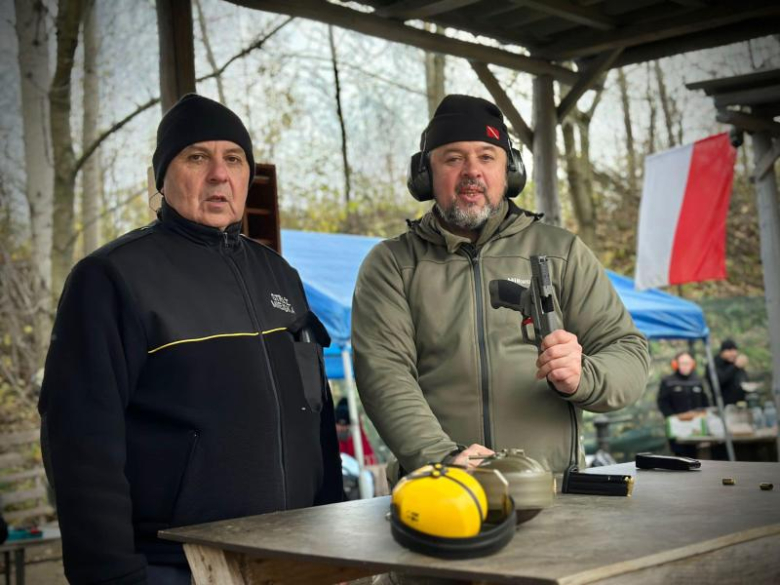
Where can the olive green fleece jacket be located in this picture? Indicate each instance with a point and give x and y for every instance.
(436, 366)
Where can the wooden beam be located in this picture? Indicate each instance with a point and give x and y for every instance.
(707, 39)
(414, 9)
(588, 77)
(502, 100)
(748, 80)
(177, 55)
(666, 28)
(748, 122)
(369, 24)
(755, 96)
(584, 15)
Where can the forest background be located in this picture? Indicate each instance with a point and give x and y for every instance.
(339, 114)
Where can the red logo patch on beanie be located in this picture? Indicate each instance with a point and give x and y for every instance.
(493, 132)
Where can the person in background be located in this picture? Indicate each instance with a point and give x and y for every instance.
(344, 433)
(682, 394)
(730, 366)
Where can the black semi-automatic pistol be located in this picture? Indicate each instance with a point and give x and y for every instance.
(535, 303)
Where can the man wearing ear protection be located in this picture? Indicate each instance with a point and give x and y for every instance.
(184, 383)
(445, 377)
(682, 394)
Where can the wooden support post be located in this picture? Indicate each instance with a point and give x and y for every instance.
(769, 224)
(545, 151)
(767, 162)
(177, 55)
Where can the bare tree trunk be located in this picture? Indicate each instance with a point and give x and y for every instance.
(90, 195)
(667, 106)
(209, 53)
(434, 76)
(339, 111)
(35, 76)
(580, 197)
(68, 20)
(650, 146)
(630, 148)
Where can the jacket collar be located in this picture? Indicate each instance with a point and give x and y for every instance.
(202, 234)
(509, 220)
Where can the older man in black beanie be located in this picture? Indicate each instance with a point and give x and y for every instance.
(184, 382)
(442, 374)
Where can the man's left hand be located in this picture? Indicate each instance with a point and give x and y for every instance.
(560, 361)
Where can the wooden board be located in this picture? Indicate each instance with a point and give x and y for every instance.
(671, 517)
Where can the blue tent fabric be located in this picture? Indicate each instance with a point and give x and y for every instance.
(328, 265)
(660, 315)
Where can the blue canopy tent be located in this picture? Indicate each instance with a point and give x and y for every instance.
(329, 264)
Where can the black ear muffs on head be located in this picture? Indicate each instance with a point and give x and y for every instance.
(463, 118)
(515, 173)
(419, 180)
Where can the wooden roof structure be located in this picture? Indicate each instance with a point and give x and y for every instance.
(552, 30)
(561, 30)
(573, 42)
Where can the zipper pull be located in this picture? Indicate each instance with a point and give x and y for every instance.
(225, 239)
(471, 252)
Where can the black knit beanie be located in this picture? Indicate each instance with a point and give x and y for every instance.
(193, 119)
(465, 118)
(341, 412)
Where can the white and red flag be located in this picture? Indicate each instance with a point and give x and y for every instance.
(682, 217)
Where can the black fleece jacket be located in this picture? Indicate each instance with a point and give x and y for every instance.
(184, 384)
(678, 394)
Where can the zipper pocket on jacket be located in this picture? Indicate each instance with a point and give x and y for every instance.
(195, 435)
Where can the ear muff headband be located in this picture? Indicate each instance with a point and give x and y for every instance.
(490, 539)
(419, 179)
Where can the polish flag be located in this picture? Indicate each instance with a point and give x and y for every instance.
(682, 217)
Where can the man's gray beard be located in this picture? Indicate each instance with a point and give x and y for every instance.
(469, 218)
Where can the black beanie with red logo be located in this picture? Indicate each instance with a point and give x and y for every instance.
(465, 118)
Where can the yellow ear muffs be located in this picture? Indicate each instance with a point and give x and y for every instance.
(441, 511)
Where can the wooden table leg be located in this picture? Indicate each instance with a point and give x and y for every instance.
(19, 565)
(212, 566)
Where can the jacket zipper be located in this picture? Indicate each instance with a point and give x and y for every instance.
(256, 324)
(473, 255)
